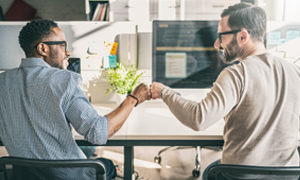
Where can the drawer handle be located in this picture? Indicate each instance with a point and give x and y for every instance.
(178, 6)
(218, 6)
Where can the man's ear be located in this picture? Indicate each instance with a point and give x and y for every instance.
(42, 49)
(245, 36)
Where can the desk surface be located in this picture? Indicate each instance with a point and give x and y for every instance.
(152, 120)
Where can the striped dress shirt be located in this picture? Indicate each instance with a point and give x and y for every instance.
(38, 106)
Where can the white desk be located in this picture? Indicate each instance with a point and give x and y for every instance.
(152, 120)
(153, 124)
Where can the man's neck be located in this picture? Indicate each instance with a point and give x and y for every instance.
(254, 49)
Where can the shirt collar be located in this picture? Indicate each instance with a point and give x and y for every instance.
(27, 62)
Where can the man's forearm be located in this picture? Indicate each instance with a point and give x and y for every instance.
(117, 117)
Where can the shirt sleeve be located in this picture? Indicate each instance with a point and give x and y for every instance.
(223, 96)
(81, 114)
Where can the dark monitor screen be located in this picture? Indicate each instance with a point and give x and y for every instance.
(74, 65)
(183, 53)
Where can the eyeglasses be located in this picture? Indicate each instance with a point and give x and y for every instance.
(55, 43)
(227, 32)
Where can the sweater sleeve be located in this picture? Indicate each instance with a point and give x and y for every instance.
(224, 95)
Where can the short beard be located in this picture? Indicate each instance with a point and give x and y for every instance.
(232, 51)
(53, 57)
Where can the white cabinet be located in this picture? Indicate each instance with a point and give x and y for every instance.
(118, 10)
(217, 6)
(205, 9)
(192, 9)
(139, 10)
(149, 10)
(129, 10)
(167, 9)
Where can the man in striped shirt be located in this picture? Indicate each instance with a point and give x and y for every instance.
(39, 101)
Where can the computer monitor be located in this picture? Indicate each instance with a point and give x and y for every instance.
(183, 53)
(74, 65)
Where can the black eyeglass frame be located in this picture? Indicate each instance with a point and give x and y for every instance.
(227, 32)
(54, 43)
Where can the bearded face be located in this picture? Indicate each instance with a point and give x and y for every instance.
(231, 51)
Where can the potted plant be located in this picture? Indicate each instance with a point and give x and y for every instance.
(122, 80)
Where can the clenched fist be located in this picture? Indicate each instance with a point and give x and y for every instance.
(142, 93)
(155, 88)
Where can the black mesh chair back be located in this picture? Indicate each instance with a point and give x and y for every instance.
(36, 169)
(242, 172)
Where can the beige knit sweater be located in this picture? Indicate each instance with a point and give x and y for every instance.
(259, 99)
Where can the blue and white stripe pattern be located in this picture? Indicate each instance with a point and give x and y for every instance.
(37, 105)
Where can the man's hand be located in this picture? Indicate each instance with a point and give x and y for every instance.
(142, 93)
(155, 88)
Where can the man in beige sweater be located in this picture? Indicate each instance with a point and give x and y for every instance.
(258, 98)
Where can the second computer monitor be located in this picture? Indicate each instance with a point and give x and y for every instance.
(183, 53)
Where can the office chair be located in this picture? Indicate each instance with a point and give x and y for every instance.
(255, 172)
(23, 168)
(196, 170)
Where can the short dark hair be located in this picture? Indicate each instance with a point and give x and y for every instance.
(34, 32)
(245, 15)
